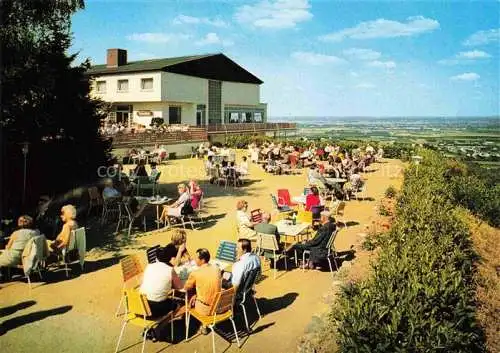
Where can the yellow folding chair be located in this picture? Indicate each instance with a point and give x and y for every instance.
(221, 310)
(132, 270)
(139, 314)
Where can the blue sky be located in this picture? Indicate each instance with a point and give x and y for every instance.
(322, 58)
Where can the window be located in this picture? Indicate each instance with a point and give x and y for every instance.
(147, 84)
(214, 102)
(233, 117)
(101, 86)
(122, 85)
(257, 117)
(174, 115)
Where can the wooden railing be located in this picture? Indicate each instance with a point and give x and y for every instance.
(192, 134)
(249, 127)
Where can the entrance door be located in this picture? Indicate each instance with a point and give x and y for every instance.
(122, 118)
(174, 115)
(199, 118)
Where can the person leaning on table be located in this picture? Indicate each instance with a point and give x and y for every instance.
(176, 250)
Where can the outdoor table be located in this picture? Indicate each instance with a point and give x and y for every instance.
(299, 199)
(145, 201)
(185, 269)
(336, 180)
(286, 228)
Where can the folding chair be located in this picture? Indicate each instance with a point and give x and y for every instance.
(132, 269)
(95, 199)
(126, 215)
(256, 215)
(331, 251)
(226, 254)
(282, 210)
(246, 290)
(268, 242)
(31, 247)
(139, 314)
(222, 310)
(338, 212)
(110, 206)
(77, 241)
(151, 253)
(284, 198)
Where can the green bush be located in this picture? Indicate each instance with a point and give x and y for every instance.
(420, 297)
(390, 192)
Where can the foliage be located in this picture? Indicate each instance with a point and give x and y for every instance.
(390, 192)
(421, 294)
(45, 102)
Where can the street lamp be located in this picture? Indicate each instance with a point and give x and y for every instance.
(417, 160)
(25, 150)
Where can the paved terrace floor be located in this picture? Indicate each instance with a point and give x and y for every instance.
(77, 315)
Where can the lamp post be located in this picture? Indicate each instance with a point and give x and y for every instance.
(417, 160)
(25, 150)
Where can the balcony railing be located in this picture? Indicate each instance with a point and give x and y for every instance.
(249, 127)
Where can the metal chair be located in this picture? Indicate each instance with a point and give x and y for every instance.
(268, 242)
(132, 269)
(247, 291)
(331, 251)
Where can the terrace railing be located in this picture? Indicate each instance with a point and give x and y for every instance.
(249, 127)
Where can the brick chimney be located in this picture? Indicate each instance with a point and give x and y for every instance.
(116, 57)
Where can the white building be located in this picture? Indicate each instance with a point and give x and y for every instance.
(195, 90)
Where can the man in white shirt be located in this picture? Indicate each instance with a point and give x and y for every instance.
(248, 261)
(243, 167)
(159, 278)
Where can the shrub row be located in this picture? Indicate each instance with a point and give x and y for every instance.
(420, 296)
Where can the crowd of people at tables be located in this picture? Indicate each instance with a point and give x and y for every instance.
(206, 280)
(27, 229)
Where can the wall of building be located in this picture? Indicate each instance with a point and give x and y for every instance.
(134, 93)
(240, 93)
(159, 110)
(182, 88)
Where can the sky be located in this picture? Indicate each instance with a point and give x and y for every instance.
(325, 57)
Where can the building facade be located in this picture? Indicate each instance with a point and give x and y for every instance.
(195, 90)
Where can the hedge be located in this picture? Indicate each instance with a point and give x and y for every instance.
(420, 296)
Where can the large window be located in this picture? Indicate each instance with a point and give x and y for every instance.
(101, 86)
(122, 85)
(214, 102)
(147, 84)
(257, 117)
(174, 115)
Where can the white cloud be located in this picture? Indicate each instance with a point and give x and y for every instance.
(468, 76)
(382, 28)
(473, 54)
(184, 19)
(465, 57)
(213, 39)
(382, 64)
(316, 59)
(276, 14)
(157, 37)
(362, 54)
(483, 38)
(365, 85)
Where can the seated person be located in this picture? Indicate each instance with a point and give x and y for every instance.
(109, 191)
(12, 255)
(140, 170)
(196, 194)
(317, 245)
(158, 280)
(176, 250)
(247, 261)
(154, 172)
(244, 223)
(313, 198)
(207, 282)
(175, 210)
(266, 228)
(68, 216)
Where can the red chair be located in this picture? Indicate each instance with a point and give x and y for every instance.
(293, 161)
(284, 198)
(256, 215)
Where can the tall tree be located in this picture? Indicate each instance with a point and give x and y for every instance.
(45, 102)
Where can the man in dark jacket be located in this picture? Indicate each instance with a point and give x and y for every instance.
(317, 245)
